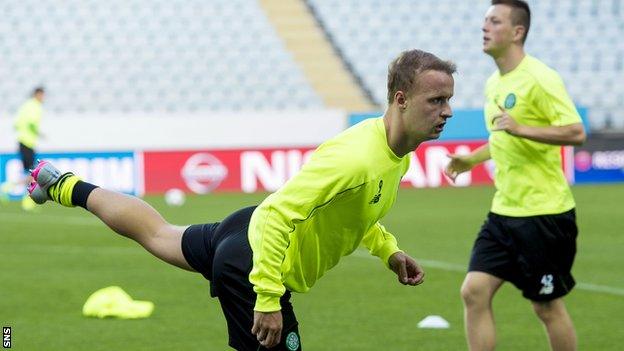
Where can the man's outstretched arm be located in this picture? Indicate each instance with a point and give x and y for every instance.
(382, 244)
(407, 269)
(463, 163)
(272, 223)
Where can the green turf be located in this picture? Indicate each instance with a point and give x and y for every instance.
(51, 261)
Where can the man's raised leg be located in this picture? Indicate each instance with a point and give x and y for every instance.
(126, 215)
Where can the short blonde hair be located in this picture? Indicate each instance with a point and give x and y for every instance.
(403, 70)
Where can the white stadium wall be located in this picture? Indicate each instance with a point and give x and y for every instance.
(113, 132)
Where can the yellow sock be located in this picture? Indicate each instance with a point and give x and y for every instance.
(62, 190)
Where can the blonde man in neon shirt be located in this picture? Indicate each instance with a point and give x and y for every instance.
(257, 256)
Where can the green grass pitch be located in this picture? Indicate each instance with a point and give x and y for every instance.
(51, 261)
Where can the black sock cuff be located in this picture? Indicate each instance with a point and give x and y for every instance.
(81, 192)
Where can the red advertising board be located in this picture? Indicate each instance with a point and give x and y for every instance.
(204, 171)
(430, 159)
(251, 170)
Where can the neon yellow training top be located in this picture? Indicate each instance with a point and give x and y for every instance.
(27, 122)
(529, 178)
(324, 212)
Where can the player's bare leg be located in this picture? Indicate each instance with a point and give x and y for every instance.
(477, 292)
(558, 324)
(126, 215)
(137, 220)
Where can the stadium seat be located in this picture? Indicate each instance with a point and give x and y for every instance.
(142, 49)
(564, 34)
(178, 55)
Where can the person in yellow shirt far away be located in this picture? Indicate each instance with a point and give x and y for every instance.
(27, 127)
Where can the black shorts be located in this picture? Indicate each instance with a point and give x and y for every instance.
(221, 253)
(534, 253)
(28, 157)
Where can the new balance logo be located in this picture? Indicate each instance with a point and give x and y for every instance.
(547, 285)
(378, 195)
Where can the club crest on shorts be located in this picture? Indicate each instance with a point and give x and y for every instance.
(510, 101)
(292, 341)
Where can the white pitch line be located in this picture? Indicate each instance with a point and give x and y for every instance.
(601, 288)
(452, 267)
(446, 266)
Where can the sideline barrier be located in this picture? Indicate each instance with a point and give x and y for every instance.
(267, 169)
(247, 170)
(600, 160)
(119, 171)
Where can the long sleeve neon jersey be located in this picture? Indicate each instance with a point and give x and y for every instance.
(325, 212)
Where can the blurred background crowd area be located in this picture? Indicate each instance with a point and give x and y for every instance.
(174, 57)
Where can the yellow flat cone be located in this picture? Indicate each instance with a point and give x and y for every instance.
(114, 302)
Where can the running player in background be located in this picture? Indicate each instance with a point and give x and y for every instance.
(27, 125)
(529, 236)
